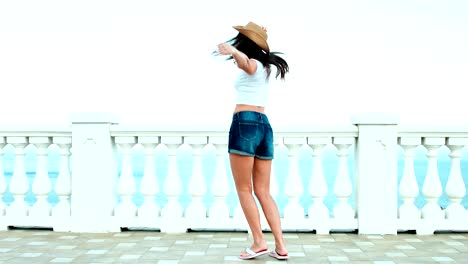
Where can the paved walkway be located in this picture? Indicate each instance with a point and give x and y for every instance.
(42, 246)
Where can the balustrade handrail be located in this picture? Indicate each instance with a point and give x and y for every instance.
(433, 131)
(35, 130)
(163, 130)
(299, 130)
(207, 130)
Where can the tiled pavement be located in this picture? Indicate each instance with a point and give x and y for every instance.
(43, 246)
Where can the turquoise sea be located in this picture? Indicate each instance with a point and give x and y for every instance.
(330, 166)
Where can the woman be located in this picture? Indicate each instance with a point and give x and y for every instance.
(251, 136)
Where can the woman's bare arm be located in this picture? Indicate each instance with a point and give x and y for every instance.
(242, 61)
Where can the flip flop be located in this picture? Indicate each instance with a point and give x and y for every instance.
(276, 255)
(252, 254)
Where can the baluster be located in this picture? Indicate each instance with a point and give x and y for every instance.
(343, 189)
(196, 210)
(126, 185)
(318, 212)
(63, 183)
(149, 184)
(455, 187)
(172, 211)
(293, 187)
(3, 185)
(409, 190)
(41, 185)
(432, 188)
(19, 185)
(220, 186)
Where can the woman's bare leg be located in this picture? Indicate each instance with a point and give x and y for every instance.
(241, 167)
(261, 185)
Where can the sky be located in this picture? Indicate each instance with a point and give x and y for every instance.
(151, 62)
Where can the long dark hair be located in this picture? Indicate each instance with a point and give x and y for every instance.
(253, 51)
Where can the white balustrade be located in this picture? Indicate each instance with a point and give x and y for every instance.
(196, 211)
(219, 210)
(455, 187)
(409, 215)
(293, 212)
(318, 189)
(41, 185)
(63, 183)
(431, 213)
(343, 189)
(126, 186)
(149, 186)
(19, 185)
(172, 211)
(94, 143)
(3, 185)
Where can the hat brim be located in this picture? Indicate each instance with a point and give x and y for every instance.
(254, 36)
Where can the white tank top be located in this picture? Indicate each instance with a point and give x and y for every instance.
(252, 89)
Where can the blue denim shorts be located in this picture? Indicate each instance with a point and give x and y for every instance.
(251, 135)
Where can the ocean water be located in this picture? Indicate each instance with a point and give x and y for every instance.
(280, 163)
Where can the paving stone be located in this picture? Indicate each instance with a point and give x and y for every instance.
(24, 246)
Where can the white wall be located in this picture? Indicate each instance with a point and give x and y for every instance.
(403, 56)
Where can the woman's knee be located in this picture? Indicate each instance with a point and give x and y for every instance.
(262, 194)
(244, 188)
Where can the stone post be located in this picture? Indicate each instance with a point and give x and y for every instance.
(94, 175)
(376, 173)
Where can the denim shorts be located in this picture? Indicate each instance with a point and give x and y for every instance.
(251, 135)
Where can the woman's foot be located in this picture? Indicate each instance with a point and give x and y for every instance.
(254, 251)
(279, 253)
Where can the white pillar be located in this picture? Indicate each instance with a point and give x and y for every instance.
(62, 211)
(126, 186)
(3, 186)
(19, 184)
(41, 185)
(409, 215)
(376, 173)
(318, 189)
(171, 213)
(343, 188)
(455, 187)
(149, 186)
(431, 213)
(219, 210)
(196, 210)
(94, 173)
(293, 212)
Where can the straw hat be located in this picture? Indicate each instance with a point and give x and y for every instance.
(255, 33)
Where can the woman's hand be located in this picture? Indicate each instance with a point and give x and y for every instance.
(226, 49)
